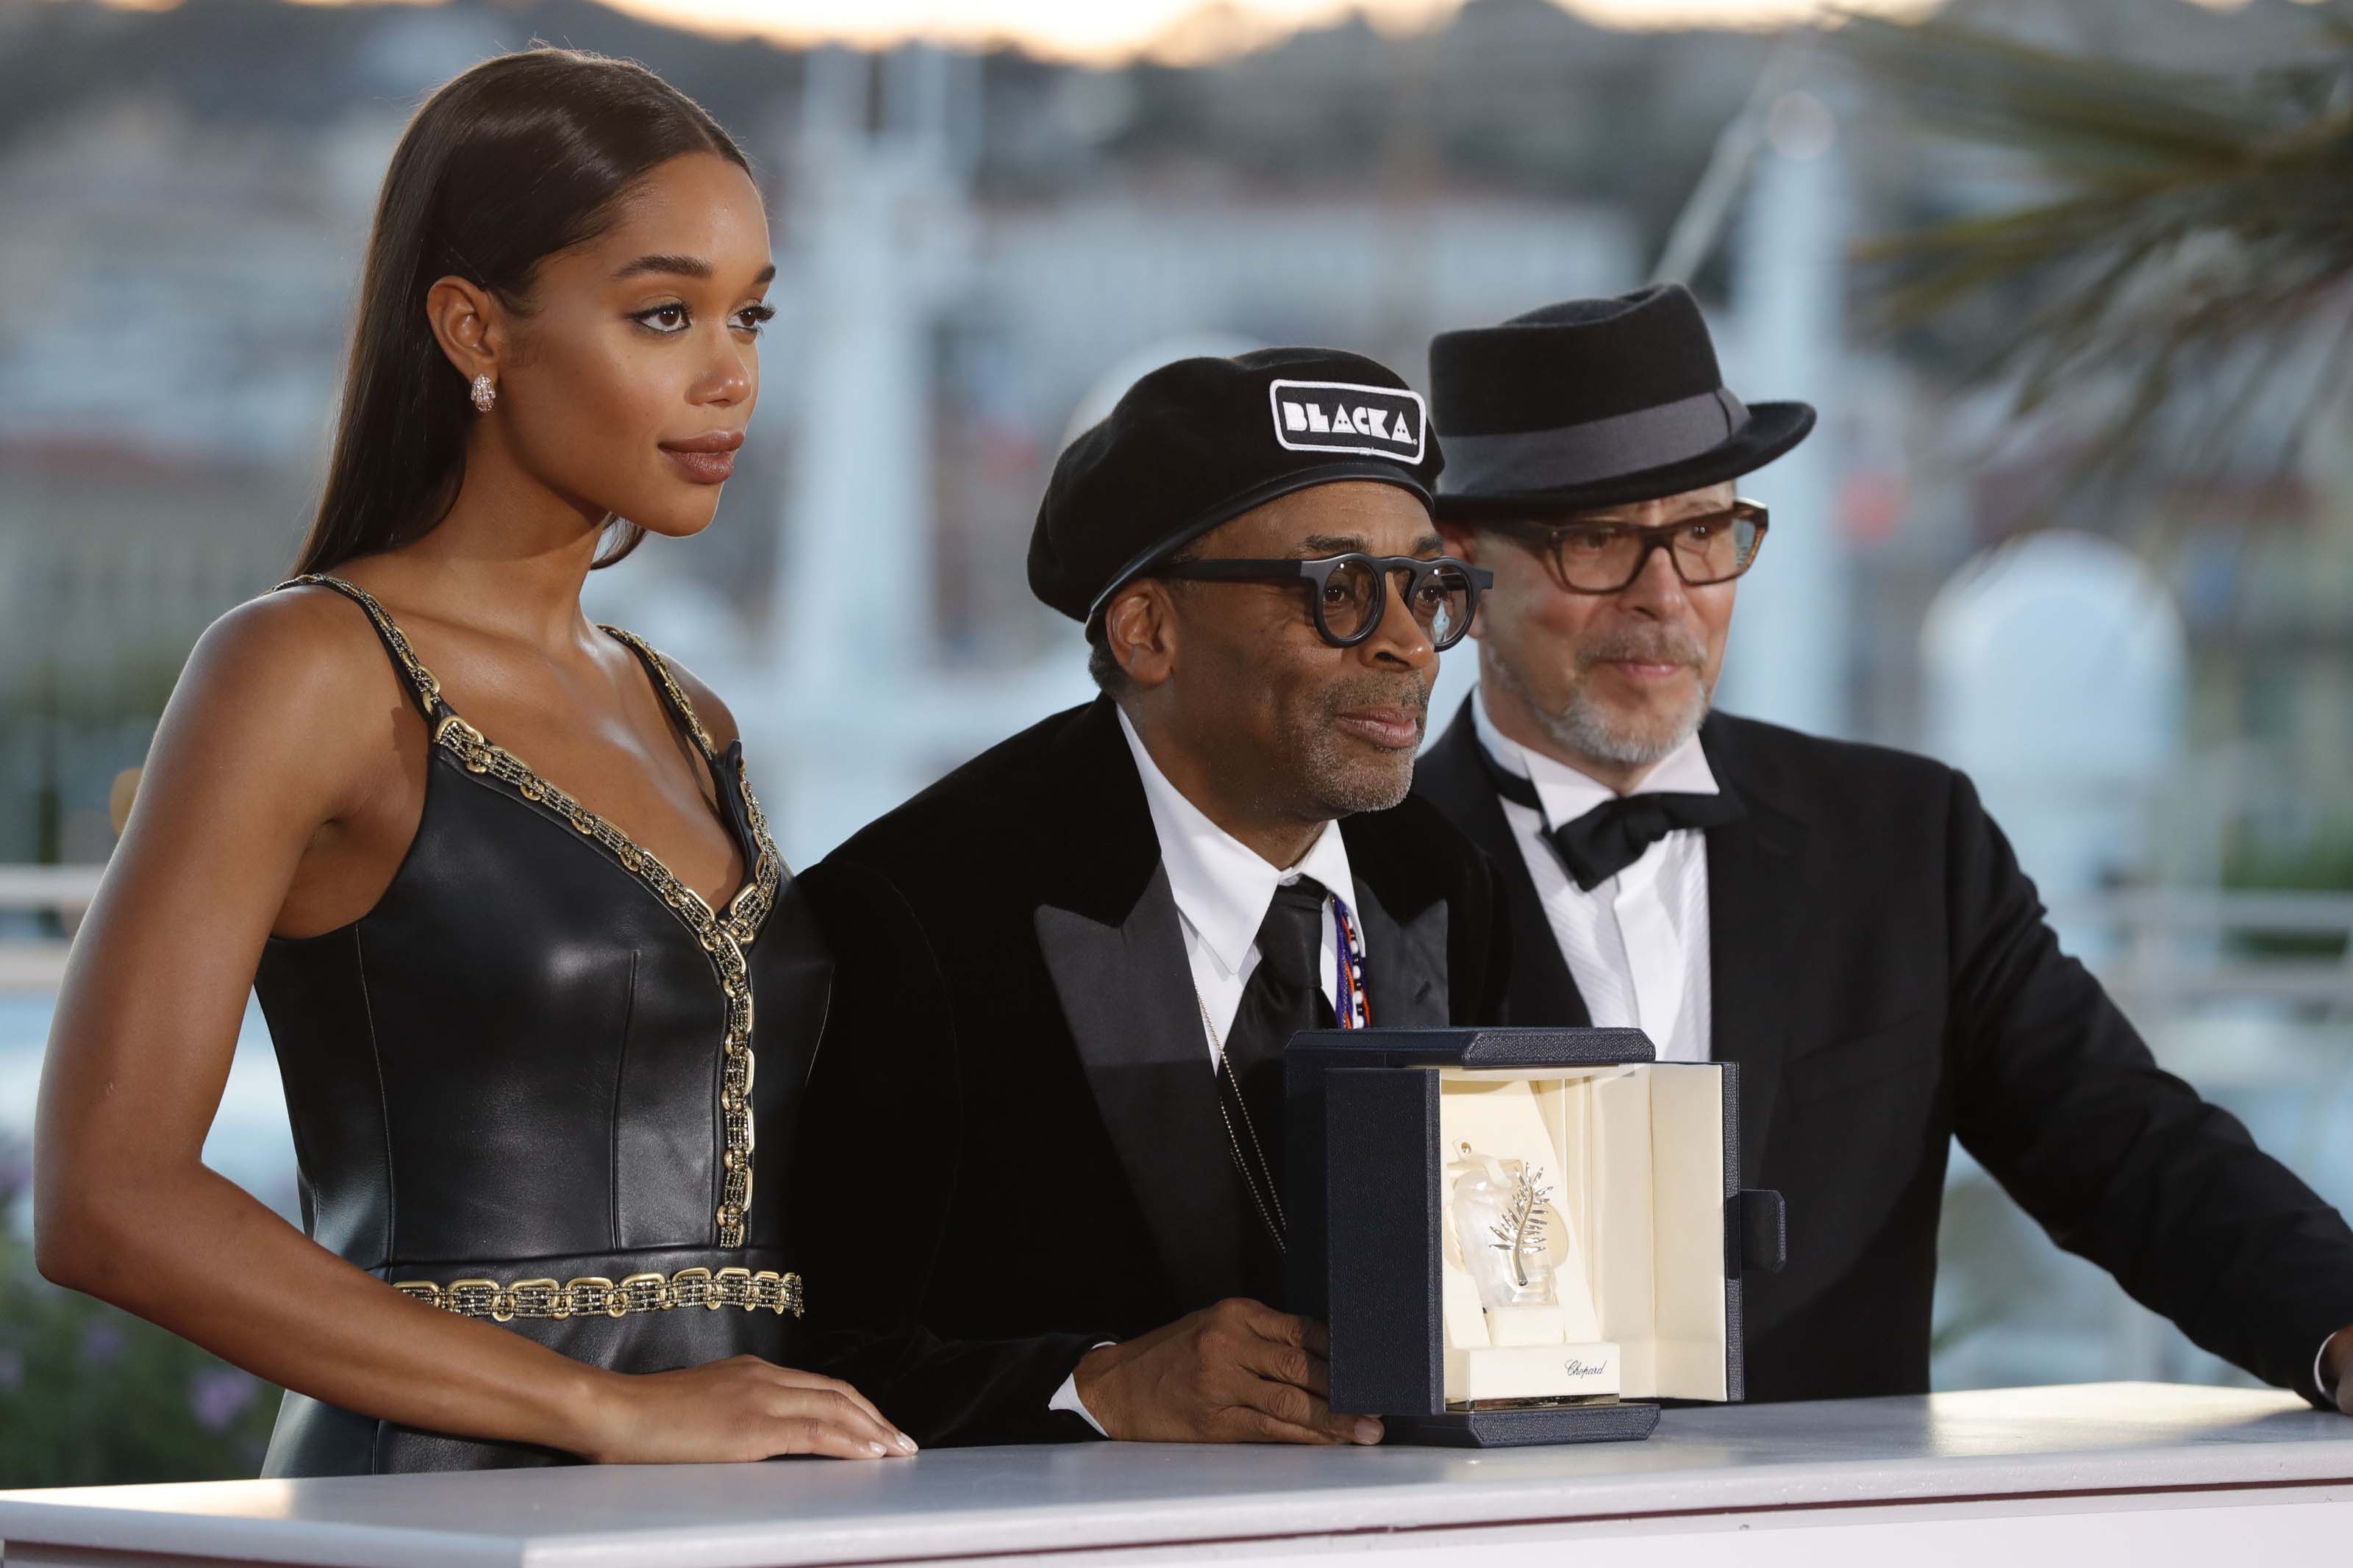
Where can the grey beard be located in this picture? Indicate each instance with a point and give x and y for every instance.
(1583, 728)
(1341, 793)
(1340, 789)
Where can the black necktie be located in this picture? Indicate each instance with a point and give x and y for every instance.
(1614, 835)
(1284, 996)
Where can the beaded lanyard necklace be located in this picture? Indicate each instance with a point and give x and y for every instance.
(1354, 1012)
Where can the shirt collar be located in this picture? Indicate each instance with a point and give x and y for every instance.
(1223, 887)
(1567, 794)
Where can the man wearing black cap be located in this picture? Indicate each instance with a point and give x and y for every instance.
(1843, 921)
(1047, 1112)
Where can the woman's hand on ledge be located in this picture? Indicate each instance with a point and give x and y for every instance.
(740, 1408)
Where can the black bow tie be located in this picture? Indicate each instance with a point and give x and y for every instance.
(1615, 834)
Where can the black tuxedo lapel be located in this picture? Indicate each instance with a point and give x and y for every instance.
(1405, 959)
(1541, 991)
(1752, 909)
(1112, 943)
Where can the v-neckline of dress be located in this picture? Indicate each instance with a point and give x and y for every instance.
(744, 910)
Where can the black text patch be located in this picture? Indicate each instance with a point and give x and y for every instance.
(1340, 416)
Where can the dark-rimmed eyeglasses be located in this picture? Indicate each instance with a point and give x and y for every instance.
(1603, 556)
(1349, 593)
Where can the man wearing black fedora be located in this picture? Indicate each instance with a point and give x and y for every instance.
(1040, 1164)
(1843, 921)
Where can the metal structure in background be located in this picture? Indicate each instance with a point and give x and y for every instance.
(847, 695)
(1778, 171)
(36, 964)
(1789, 655)
(2056, 669)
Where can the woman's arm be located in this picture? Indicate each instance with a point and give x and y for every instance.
(287, 742)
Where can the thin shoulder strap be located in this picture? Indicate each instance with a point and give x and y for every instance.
(420, 680)
(667, 683)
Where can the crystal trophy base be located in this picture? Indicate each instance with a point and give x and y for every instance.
(1523, 1329)
(1537, 1372)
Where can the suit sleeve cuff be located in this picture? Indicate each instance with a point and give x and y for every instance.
(1067, 1396)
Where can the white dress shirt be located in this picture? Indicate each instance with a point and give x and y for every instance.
(1222, 888)
(1637, 945)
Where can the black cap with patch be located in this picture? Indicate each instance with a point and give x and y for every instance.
(1198, 442)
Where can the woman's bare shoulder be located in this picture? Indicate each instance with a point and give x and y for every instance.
(290, 669)
(294, 646)
(287, 715)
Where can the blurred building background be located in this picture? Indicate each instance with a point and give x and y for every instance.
(980, 248)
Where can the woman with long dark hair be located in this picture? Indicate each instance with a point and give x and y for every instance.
(498, 874)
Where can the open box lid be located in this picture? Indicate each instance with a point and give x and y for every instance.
(1365, 1189)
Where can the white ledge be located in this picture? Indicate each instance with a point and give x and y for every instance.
(2103, 1438)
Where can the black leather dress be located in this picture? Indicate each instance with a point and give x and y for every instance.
(522, 1088)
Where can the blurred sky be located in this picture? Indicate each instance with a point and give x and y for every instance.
(1179, 31)
(1092, 28)
(1113, 29)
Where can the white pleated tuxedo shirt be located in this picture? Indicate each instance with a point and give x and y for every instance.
(1637, 945)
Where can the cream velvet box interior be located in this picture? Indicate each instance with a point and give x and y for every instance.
(1633, 1156)
(1416, 1160)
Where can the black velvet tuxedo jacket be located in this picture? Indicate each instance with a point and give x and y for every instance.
(1010, 1149)
(1882, 972)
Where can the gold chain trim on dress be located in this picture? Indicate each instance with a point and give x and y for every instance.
(677, 696)
(596, 1296)
(748, 909)
(723, 939)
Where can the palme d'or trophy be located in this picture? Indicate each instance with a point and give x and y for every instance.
(1536, 1339)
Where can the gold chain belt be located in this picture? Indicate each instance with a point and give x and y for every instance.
(595, 1296)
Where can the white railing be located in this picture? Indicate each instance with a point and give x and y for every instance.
(2170, 954)
(2265, 1032)
(36, 963)
(68, 889)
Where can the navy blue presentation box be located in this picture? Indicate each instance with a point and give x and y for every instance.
(1646, 1158)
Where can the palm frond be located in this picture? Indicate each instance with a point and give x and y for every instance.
(2184, 227)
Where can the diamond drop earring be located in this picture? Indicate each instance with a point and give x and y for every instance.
(484, 394)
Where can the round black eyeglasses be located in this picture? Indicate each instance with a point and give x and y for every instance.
(1603, 556)
(1350, 591)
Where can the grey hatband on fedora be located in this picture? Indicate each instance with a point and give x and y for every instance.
(1594, 402)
